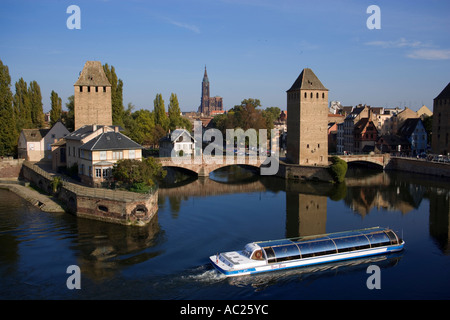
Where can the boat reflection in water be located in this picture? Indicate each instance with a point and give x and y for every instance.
(273, 255)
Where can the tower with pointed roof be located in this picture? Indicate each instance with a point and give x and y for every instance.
(209, 105)
(204, 103)
(440, 141)
(92, 97)
(307, 121)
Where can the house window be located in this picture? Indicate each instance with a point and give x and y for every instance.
(81, 88)
(105, 173)
(305, 95)
(118, 155)
(89, 89)
(104, 89)
(98, 173)
(102, 155)
(131, 154)
(96, 89)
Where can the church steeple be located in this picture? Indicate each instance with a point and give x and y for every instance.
(205, 77)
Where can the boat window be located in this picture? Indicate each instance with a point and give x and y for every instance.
(257, 255)
(352, 243)
(392, 237)
(317, 248)
(288, 252)
(378, 239)
(246, 253)
(270, 255)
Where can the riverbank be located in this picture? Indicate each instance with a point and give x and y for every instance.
(44, 202)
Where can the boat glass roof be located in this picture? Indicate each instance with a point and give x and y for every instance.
(333, 242)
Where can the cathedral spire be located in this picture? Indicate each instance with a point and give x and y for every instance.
(205, 76)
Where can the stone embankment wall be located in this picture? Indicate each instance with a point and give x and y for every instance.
(115, 206)
(419, 166)
(306, 173)
(10, 168)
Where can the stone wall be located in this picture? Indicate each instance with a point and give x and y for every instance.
(419, 166)
(306, 173)
(10, 168)
(114, 206)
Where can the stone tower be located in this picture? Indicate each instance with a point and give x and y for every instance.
(204, 103)
(92, 96)
(307, 121)
(440, 141)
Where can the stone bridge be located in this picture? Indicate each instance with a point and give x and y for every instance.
(378, 159)
(204, 165)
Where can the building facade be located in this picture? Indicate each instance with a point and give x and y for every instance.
(177, 143)
(95, 150)
(36, 144)
(209, 105)
(307, 123)
(92, 96)
(440, 140)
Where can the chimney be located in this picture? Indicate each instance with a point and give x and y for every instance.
(116, 129)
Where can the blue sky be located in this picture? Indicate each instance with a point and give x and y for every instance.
(252, 48)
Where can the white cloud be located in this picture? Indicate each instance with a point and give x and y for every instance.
(400, 43)
(184, 25)
(430, 54)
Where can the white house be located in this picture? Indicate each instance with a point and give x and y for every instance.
(177, 143)
(35, 144)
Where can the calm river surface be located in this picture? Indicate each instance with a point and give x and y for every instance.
(169, 258)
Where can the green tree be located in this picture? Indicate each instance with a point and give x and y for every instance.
(8, 130)
(175, 118)
(143, 126)
(116, 95)
(56, 110)
(22, 106)
(159, 111)
(37, 111)
(338, 169)
(68, 118)
(271, 114)
(134, 174)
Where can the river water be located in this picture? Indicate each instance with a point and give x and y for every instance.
(168, 259)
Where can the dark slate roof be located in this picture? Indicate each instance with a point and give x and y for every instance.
(307, 80)
(445, 94)
(92, 75)
(408, 127)
(110, 141)
(82, 132)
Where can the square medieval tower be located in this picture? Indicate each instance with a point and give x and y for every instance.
(92, 96)
(307, 121)
(440, 141)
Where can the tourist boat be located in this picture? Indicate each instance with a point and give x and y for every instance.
(273, 255)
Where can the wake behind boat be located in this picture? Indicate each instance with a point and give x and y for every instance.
(281, 254)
